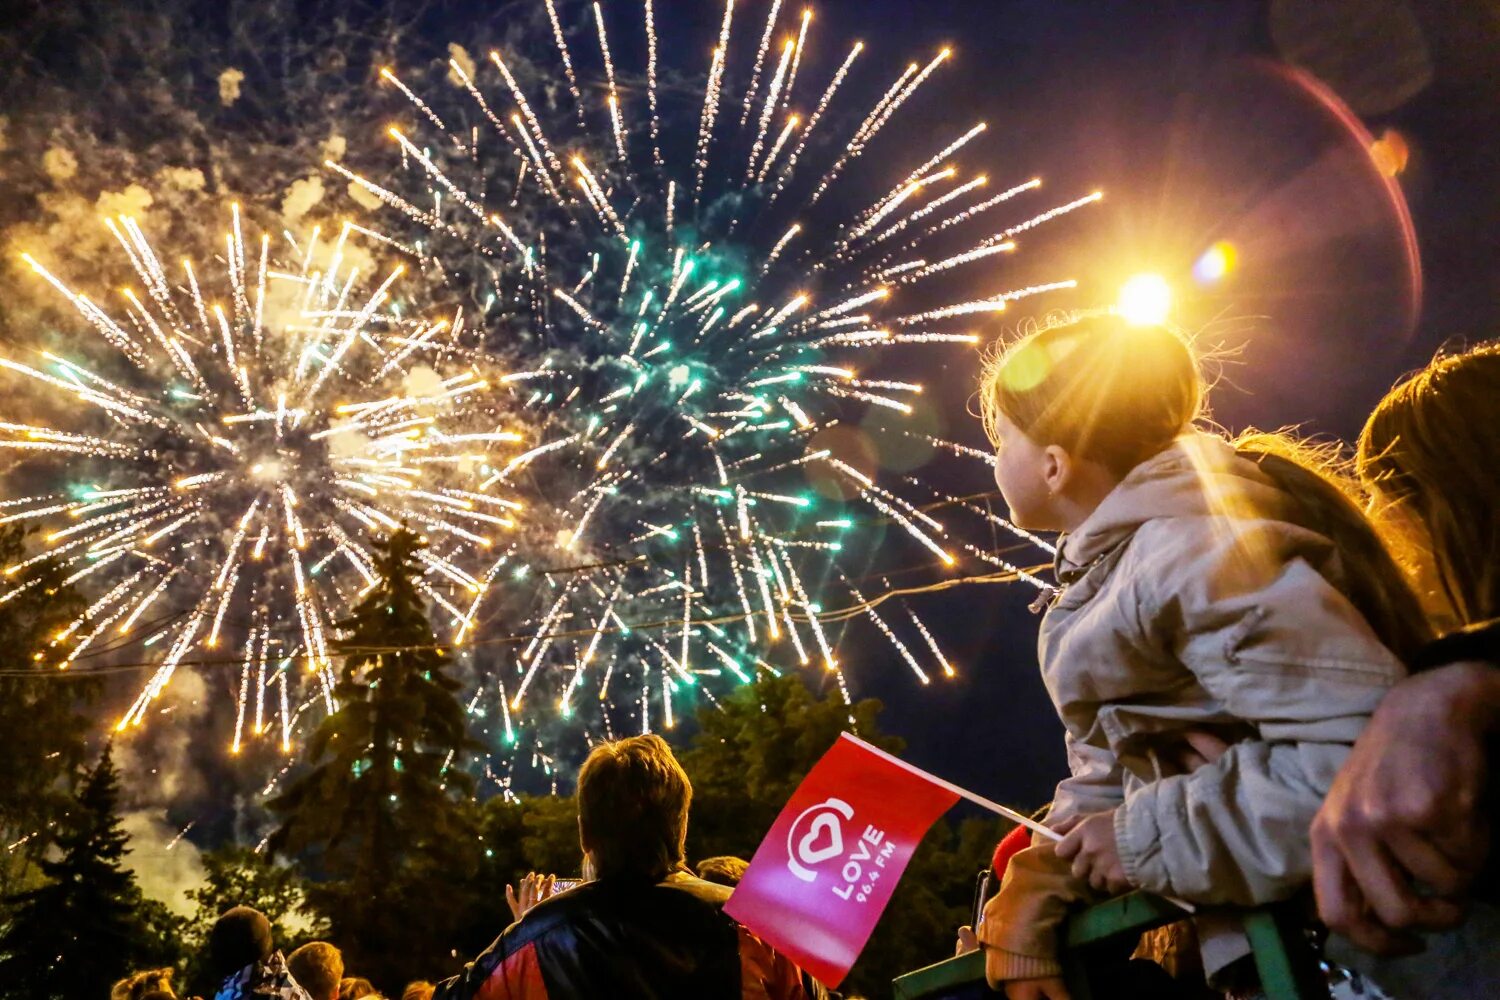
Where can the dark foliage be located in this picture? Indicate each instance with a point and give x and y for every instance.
(378, 813)
(73, 936)
(43, 747)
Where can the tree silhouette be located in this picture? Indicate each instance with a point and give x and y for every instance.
(44, 748)
(379, 811)
(753, 750)
(85, 927)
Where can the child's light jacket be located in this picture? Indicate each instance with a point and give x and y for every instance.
(1192, 599)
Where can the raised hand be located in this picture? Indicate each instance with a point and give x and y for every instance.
(532, 890)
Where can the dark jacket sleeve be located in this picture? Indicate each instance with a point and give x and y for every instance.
(1480, 641)
(466, 985)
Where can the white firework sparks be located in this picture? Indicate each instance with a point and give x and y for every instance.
(686, 334)
(218, 452)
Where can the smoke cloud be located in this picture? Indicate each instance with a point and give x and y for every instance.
(167, 865)
(157, 770)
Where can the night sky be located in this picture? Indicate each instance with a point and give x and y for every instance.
(1180, 113)
(1190, 118)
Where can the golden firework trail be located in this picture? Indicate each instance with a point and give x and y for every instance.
(218, 449)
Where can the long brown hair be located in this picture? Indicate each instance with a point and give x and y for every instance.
(1433, 447)
(1318, 479)
(1118, 394)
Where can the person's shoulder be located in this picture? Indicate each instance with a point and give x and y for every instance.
(1177, 555)
(1170, 536)
(550, 916)
(581, 897)
(1159, 551)
(1479, 641)
(594, 901)
(774, 971)
(710, 893)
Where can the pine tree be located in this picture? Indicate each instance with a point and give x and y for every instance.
(44, 749)
(378, 811)
(80, 931)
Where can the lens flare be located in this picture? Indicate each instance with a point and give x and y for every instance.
(1216, 263)
(1145, 300)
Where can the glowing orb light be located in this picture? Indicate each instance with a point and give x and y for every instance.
(1145, 300)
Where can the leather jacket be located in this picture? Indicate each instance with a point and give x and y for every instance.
(626, 939)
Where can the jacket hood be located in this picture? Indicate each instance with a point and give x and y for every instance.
(1197, 475)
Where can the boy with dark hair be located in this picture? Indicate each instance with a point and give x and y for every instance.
(645, 927)
(244, 959)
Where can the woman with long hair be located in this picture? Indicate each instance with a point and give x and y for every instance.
(1402, 842)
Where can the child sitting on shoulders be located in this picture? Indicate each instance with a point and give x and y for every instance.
(1209, 591)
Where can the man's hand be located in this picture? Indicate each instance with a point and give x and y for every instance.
(1046, 988)
(1405, 810)
(533, 889)
(966, 942)
(1090, 845)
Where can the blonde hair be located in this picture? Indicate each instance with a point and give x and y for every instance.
(140, 984)
(318, 968)
(1118, 394)
(1104, 390)
(1433, 445)
(724, 869)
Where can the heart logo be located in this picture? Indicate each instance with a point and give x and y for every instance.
(824, 837)
(810, 851)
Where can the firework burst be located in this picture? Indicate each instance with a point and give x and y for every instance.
(224, 445)
(683, 333)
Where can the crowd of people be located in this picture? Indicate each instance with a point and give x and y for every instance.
(1276, 676)
(640, 923)
(245, 964)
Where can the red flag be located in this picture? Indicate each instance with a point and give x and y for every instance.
(821, 878)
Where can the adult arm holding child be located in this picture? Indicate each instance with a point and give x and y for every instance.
(1408, 807)
(1408, 818)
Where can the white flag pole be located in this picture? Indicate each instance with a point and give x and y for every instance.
(964, 793)
(980, 800)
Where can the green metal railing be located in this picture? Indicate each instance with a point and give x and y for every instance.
(1288, 968)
